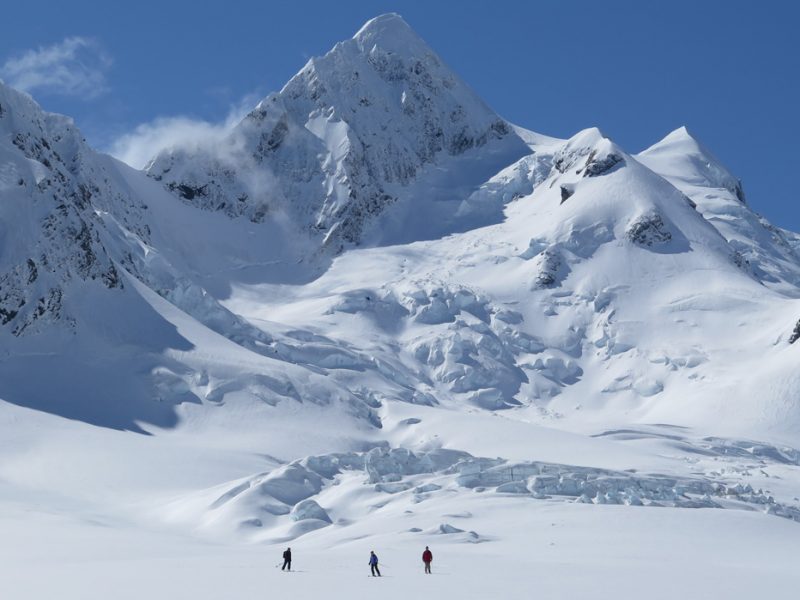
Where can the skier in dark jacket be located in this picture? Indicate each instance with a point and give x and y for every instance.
(373, 563)
(287, 559)
(427, 558)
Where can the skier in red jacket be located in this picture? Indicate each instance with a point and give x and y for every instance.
(427, 557)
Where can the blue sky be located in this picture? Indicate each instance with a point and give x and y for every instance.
(729, 70)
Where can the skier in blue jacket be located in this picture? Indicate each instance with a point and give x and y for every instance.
(373, 563)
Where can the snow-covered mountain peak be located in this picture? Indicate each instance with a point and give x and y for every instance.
(587, 137)
(23, 120)
(757, 245)
(678, 136)
(683, 141)
(680, 156)
(391, 33)
(586, 154)
(347, 139)
(17, 108)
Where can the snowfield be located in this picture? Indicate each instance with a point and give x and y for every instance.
(93, 510)
(377, 316)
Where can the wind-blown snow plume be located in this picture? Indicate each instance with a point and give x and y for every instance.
(137, 147)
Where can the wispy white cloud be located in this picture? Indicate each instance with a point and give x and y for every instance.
(146, 140)
(73, 67)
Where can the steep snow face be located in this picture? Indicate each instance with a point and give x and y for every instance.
(69, 217)
(345, 140)
(54, 193)
(94, 281)
(760, 247)
(681, 157)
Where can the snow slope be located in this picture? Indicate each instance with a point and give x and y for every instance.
(759, 246)
(378, 316)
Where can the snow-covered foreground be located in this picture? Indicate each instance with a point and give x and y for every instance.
(87, 513)
(540, 550)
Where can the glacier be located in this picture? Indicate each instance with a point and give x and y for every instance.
(377, 315)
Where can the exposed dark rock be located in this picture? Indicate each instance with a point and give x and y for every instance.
(84, 196)
(110, 278)
(186, 191)
(795, 334)
(19, 141)
(566, 193)
(501, 128)
(6, 315)
(270, 141)
(648, 230)
(33, 272)
(258, 114)
(46, 305)
(601, 166)
(740, 260)
(549, 268)
(561, 164)
(737, 190)
(460, 143)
